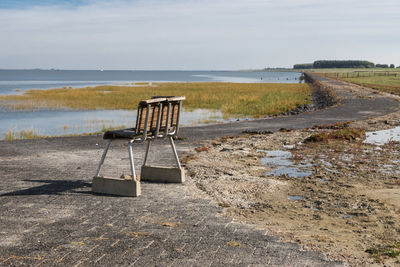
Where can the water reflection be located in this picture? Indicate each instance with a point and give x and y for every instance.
(66, 122)
(383, 137)
(294, 198)
(281, 163)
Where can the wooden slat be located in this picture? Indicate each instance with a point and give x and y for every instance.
(155, 111)
(153, 100)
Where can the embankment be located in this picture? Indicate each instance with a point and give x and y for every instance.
(322, 95)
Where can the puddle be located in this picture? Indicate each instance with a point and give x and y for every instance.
(347, 216)
(383, 137)
(276, 161)
(389, 169)
(289, 171)
(347, 158)
(279, 153)
(288, 146)
(326, 163)
(294, 198)
(282, 164)
(316, 206)
(322, 180)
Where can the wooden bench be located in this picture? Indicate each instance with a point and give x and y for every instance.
(156, 118)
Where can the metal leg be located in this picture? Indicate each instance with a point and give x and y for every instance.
(103, 157)
(174, 151)
(147, 152)
(131, 160)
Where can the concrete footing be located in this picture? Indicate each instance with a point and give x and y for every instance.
(116, 186)
(162, 174)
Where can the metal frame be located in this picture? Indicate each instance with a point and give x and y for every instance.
(155, 102)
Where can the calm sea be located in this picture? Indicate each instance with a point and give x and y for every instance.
(16, 81)
(64, 122)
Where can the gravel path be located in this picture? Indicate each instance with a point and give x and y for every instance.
(49, 217)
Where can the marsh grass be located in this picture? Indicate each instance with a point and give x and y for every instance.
(349, 134)
(255, 100)
(11, 135)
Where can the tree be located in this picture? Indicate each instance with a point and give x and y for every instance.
(323, 64)
(303, 66)
(382, 65)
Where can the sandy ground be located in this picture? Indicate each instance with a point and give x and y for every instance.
(347, 204)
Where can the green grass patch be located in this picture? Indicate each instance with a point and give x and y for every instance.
(387, 80)
(388, 251)
(233, 99)
(142, 83)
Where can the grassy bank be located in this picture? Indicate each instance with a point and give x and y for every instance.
(255, 100)
(387, 80)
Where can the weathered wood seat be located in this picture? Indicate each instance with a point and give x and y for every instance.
(156, 118)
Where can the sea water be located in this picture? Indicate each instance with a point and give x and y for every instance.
(17, 81)
(65, 122)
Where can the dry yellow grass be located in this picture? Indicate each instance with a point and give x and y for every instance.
(11, 135)
(239, 99)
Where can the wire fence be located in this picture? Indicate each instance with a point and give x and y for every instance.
(357, 74)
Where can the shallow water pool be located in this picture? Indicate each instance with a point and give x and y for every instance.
(67, 122)
(281, 163)
(383, 136)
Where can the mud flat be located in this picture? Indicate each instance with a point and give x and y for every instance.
(340, 195)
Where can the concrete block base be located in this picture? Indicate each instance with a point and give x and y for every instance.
(162, 174)
(116, 186)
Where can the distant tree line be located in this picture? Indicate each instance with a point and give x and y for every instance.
(385, 66)
(303, 66)
(324, 64)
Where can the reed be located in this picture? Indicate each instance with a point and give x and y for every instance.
(238, 99)
(11, 135)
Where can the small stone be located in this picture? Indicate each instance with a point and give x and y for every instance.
(391, 122)
(126, 177)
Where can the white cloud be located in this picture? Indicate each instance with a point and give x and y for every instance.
(199, 34)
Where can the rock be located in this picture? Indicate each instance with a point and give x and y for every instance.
(391, 122)
(126, 176)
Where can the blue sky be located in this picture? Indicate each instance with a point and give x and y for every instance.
(195, 34)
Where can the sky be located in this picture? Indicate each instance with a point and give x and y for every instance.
(195, 34)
